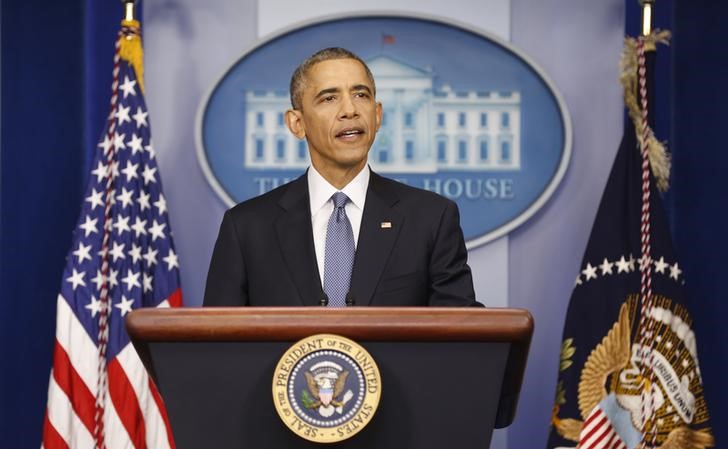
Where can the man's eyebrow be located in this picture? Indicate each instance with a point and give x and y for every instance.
(330, 90)
(334, 90)
(360, 87)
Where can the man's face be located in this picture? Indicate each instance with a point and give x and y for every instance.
(339, 116)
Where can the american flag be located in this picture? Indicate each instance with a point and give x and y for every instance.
(122, 258)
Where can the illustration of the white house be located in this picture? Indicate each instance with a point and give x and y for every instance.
(423, 130)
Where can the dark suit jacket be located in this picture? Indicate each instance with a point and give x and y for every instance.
(264, 255)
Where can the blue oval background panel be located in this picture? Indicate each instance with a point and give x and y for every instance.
(464, 115)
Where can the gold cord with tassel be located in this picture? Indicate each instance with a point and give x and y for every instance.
(130, 49)
(659, 157)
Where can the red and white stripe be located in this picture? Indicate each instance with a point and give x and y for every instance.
(597, 432)
(134, 415)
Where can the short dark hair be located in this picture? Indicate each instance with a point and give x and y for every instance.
(298, 79)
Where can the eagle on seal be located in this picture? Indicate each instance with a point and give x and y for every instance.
(325, 390)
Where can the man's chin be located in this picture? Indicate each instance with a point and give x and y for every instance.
(352, 165)
(344, 159)
(351, 158)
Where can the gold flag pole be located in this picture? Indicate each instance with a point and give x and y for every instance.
(129, 9)
(130, 42)
(647, 16)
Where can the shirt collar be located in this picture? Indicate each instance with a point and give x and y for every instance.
(320, 191)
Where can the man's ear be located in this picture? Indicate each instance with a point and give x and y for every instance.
(294, 120)
(379, 114)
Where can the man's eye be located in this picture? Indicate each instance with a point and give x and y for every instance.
(361, 95)
(329, 98)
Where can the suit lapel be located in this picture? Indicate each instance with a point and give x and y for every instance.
(380, 227)
(295, 237)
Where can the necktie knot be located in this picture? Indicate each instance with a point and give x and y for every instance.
(340, 199)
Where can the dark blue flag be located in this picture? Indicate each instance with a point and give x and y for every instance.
(629, 375)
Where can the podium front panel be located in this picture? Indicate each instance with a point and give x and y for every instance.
(434, 394)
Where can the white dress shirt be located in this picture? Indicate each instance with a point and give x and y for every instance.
(320, 192)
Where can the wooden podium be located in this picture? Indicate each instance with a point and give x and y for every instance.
(449, 375)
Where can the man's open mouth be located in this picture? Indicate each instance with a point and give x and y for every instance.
(350, 132)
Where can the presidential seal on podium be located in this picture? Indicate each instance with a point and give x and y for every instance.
(326, 388)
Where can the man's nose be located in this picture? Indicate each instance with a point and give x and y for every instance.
(348, 107)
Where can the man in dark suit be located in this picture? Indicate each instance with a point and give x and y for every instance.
(340, 234)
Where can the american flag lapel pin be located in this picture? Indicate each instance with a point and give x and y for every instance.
(385, 225)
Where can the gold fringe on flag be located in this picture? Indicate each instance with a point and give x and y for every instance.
(130, 49)
(659, 157)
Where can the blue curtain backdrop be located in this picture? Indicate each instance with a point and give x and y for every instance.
(56, 60)
(699, 202)
(56, 77)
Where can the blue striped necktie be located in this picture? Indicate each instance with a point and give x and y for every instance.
(338, 253)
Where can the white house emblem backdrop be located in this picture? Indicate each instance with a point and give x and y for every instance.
(465, 115)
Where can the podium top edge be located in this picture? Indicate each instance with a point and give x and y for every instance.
(361, 323)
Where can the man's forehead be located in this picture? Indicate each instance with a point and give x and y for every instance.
(341, 73)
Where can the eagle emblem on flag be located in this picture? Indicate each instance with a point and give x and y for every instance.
(611, 384)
